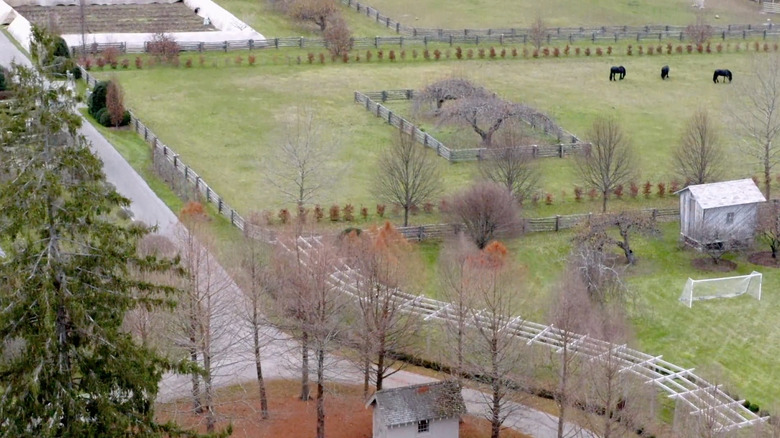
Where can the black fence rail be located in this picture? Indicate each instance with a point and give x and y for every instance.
(531, 225)
(370, 101)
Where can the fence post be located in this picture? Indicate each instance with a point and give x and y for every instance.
(384, 96)
(232, 215)
(219, 205)
(197, 182)
(225, 46)
(208, 194)
(376, 42)
(655, 214)
(557, 222)
(397, 27)
(389, 117)
(175, 161)
(681, 36)
(560, 150)
(251, 44)
(501, 39)
(534, 151)
(425, 41)
(186, 172)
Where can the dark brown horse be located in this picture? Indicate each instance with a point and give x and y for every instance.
(616, 73)
(725, 73)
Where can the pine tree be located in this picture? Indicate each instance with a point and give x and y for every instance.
(66, 367)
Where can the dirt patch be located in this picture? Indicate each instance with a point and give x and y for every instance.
(346, 414)
(764, 258)
(148, 18)
(706, 264)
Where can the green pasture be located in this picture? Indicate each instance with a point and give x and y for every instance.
(478, 14)
(226, 120)
(271, 23)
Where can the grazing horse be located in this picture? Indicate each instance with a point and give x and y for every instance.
(665, 72)
(725, 73)
(615, 71)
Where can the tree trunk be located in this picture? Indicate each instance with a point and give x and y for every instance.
(380, 363)
(774, 245)
(366, 375)
(562, 390)
(305, 391)
(495, 409)
(767, 171)
(320, 393)
(406, 215)
(208, 394)
(197, 407)
(604, 196)
(259, 369)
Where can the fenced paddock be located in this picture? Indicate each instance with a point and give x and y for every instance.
(369, 100)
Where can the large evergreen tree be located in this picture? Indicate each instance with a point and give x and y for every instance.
(66, 367)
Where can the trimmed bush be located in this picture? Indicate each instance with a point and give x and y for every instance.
(661, 190)
(647, 189)
(364, 213)
(633, 190)
(349, 213)
(578, 193)
(335, 213)
(319, 213)
(380, 210)
(97, 99)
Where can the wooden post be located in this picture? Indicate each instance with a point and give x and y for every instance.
(219, 205)
(232, 215)
(197, 182)
(557, 222)
(560, 150)
(208, 194)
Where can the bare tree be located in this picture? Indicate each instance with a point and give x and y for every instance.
(115, 98)
(494, 350)
(700, 158)
(486, 210)
(537, 33)
(471, 104)
(511, 165)
(700, 31)
(316, 11)
(569, 314)
(383, 268)
(596, 233)
(326, 309)
(407, 175)
(455, 274)
(620, 404)
(609, 162)
(338, 36)
(299, 171)
(163, 47)
(769, 225)
(755, 107)
(204, 309)
(254, 277)
(717, 241)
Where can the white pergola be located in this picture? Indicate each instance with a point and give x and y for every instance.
(681, 384)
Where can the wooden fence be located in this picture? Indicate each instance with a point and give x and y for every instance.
(571, 34)
(423, 37)
(369, 101)
(531, 225)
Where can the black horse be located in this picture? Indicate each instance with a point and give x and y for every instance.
(725, 73)
(616, 73)
(665, 72)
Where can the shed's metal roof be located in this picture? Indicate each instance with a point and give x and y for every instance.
(726, 193)
(410, 404)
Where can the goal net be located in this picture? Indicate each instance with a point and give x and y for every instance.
(726, 287)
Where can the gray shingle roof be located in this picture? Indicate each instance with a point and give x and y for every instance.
(410, 404)
(726, 193)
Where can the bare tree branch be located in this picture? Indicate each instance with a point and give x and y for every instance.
(486, 210)
(407, 175)
(699, 158)
(755, 112)
(610, 160)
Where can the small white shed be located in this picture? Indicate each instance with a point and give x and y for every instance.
(712, 213)
(430, 410)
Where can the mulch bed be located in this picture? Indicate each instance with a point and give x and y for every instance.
(706, 264)
(764, 258)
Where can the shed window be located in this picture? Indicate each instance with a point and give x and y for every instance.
(423, 426)
(729, 218)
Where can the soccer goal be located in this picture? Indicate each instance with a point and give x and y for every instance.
(726, 287)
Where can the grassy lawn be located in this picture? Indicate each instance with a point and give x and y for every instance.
(226, 120)
(561, 13)
(728, 341)
(264, 19)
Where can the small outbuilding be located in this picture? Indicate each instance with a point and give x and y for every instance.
(719, 213)
(430, 410)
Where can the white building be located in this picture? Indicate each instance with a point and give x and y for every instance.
(430, 410)
(719, 212)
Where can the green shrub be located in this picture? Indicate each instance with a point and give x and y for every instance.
(97, 100)
(61, 48)
(2, 80)
(103, 117)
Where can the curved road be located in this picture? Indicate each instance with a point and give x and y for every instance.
(281, 354)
